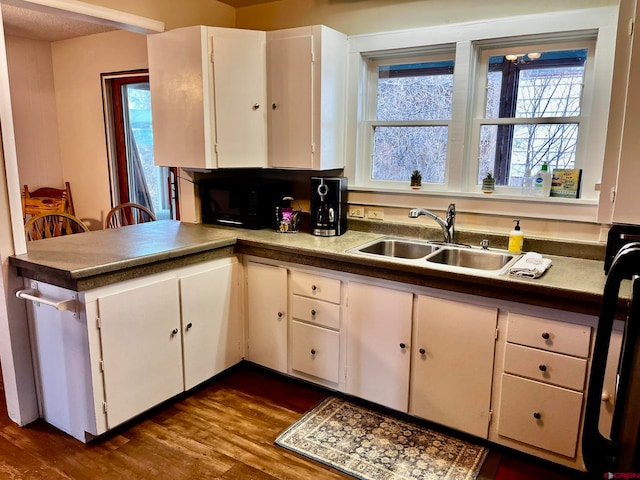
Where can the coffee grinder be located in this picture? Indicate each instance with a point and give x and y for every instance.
(328, 206)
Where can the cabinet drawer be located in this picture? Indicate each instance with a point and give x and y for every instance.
(315, 286)
(549, 335)
(558, 409)
(545, 366)
(315, 351)
(316, 311)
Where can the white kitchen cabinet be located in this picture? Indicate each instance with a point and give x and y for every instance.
(211, 321)
(379, 344)
(452, 363)
(267, 315)
(541, 383)
(208, 97)
(141, 347)
(316, 326)
(621, 169)
(126, 347)
(307, 98)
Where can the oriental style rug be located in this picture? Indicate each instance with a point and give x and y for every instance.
(373, 446)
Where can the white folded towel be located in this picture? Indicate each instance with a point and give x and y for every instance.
(531, 265)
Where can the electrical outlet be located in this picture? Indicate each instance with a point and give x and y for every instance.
(375, 214)
(357, 212)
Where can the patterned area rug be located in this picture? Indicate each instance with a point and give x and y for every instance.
(373, 446)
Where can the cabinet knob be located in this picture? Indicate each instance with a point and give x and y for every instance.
(313, 313)
(314, 288)
(422, 351)
(546, 335)
(403, 346)
(280, 314)
(537, 415)
(313, 351)
(274, 106)
(605, 396)
(174, 331)
(256, 106)
(189, 325)
(543, 368)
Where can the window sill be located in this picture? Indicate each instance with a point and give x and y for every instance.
(502, 204)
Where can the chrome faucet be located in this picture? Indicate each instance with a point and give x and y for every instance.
(447, 224)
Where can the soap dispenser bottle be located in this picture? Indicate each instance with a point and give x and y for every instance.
(542, 181)
(516, 239)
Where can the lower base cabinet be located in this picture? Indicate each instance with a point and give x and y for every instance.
(378, 344)
(452, 363)
(132, 345)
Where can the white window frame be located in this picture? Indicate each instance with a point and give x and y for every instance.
(461, 176)
(577, 40)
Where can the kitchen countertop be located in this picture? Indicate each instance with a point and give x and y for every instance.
(89, 260)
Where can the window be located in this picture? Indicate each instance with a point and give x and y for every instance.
(413, 110)
(532, 113)
(447, 101)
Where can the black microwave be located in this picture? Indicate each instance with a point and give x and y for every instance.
(241, 202)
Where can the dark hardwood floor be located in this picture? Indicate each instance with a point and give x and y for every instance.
(223, 430)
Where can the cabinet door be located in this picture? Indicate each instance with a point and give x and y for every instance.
(240, 96)
(378, 344)
(291, 102)
(211, 324)
(267, 312)
(141, 348)
(451, 381)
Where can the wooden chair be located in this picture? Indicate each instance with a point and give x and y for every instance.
(53, 225)
(128, 214)
(47, 200)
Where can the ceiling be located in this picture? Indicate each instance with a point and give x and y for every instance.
(244, 3)
(36, 25)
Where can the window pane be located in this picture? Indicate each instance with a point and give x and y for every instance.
(549, 86)
(417, 91)
(398, 151)
(531, 146)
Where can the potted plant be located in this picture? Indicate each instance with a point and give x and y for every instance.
(416, 179)
(488, 183)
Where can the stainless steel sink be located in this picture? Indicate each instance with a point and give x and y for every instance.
(398, 248)
(471, 258)
(438, 255)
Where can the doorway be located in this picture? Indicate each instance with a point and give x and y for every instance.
(134, 176)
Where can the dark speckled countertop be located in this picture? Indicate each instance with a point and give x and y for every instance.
(88, 260)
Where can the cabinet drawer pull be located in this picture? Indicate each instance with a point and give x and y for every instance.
(537, 415)
(423, 351)
(314, 288)
(189, 325)
(274, 106)
(174, 331)
(313, 313)
(546, 335)
(543, 368)
(313, 351)
(256, 106)
(403, 346)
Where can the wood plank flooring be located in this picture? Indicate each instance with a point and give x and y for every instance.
(224, 430)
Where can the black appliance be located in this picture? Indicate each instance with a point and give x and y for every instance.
(241, 202)
(328, 206)
(620, 452)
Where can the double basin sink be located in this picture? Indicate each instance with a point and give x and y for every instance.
(439, 255)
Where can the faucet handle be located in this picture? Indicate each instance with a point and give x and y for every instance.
(485, 244)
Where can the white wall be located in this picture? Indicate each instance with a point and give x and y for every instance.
(34, 112)
(77, 65)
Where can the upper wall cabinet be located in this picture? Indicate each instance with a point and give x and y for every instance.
(619, 189)
(208, 97)
(307, 94)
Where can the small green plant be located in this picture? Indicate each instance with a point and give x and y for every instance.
(488, 183)
(416, 178)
